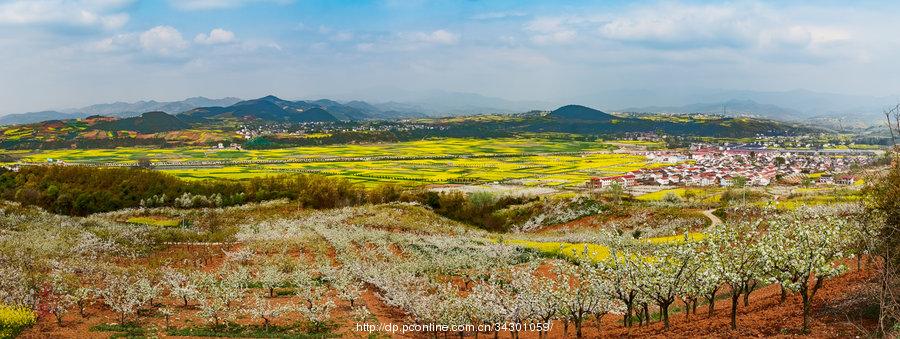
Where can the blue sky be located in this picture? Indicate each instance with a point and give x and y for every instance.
(68, 53)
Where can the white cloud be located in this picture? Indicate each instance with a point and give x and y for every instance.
(195, 5)
(751, 28)
(560, 37)
(342, 36)
(162, 40)
(688, 25)
(748, 26)
(114, 43)
(106, 14)
(215, 37)
(498, 15)
(554, 30)
(442, 37)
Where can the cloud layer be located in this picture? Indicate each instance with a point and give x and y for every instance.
(86, 51)
(105, 14)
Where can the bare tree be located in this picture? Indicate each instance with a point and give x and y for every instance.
(896, 111)
(887, 115)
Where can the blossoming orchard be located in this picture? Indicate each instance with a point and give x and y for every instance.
(329, 271)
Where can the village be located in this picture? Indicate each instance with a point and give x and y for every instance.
(250, 130)
(706, 165)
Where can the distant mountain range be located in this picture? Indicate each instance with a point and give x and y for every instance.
(833, 110)
(438, 103)
(400, 105)
(124, 109)
(33, 117)
(272, 108)
(795, 105)
(116, 109)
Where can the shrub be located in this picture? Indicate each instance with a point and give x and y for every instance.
(15, 319)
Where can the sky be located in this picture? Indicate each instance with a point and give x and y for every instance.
(57, 54)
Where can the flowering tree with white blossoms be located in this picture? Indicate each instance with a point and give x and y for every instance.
(316, 307)
(662, 276)
(803, 252)
(269, 278)
(733, 251)
(545, 296)
(342, 279)
(217, 294)
(125, 293)
(266, 310)
(620, 274)
(486, 302)
(707, 281)
(180, 285)
(585, 294)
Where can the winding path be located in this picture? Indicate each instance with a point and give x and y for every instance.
(712, 217)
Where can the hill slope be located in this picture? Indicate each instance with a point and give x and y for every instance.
(150, 122)
(117, 109)
(578, 112)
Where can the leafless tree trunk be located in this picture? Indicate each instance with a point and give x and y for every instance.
(897, 116)
(887, 114)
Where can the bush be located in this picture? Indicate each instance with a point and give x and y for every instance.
(477, 209)
(15, 319)
(671, 198)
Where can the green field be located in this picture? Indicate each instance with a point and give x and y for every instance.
(467, 163)
(160, 222)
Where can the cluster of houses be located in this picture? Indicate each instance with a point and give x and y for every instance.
(232, 146)
(250, 131)
(729, 167)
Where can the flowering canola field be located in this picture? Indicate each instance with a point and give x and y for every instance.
(464, 161)
(594, 252)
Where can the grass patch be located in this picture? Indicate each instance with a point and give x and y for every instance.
(295, 331)
(129, 330)
(159, 222)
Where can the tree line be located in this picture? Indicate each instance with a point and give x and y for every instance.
(80, 190)
(77, 190)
